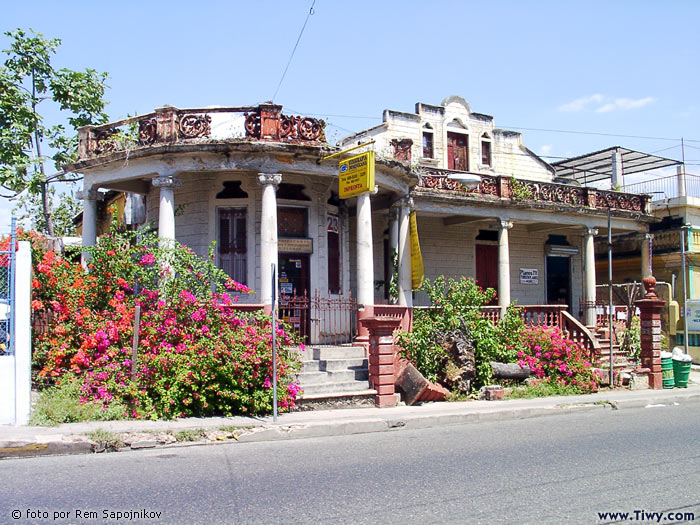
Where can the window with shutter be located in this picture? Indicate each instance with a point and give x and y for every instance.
(333, 254)
(233, 243)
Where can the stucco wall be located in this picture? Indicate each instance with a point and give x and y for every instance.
(195, 223)
(450, 251)
(509, 157)
(191, 211)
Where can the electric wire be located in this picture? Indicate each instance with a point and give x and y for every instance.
(595, 133)
(311, 12)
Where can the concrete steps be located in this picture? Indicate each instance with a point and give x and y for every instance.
(334, 376)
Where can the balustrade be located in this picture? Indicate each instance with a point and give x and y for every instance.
(170, 124)
(436, 180)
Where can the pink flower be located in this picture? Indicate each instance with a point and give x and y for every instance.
(187, 296)
(147, 259)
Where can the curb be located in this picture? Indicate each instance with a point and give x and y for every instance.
(58, 444)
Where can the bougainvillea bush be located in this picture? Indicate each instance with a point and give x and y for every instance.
(556, 359)
(197, 356)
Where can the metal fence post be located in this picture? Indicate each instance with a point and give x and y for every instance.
(274, 347)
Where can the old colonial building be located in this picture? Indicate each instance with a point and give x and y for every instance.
(254, 180)
(523, 230)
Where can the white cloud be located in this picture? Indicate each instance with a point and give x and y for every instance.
(608, 104)
(625, 104)
(580, 103)
(546, 149)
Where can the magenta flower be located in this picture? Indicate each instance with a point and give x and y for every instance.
(147, 259)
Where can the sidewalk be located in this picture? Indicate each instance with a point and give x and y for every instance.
(70, 438)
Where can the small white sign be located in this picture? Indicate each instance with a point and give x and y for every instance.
(693, 315)
(529, 276)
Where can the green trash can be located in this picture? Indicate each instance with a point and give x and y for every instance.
(681, 372)
(667, 370)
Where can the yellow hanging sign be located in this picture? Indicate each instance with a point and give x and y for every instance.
(417, 271)
(356, 175)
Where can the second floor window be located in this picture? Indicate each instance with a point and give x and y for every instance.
(485, 152)
(457, 152)
(428, 145)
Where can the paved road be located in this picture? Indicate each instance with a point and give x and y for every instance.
(560, 469)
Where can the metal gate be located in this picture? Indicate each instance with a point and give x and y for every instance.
(7, 291)
(330, 320)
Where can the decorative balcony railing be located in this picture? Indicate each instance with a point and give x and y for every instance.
(172, 125)
(436, 180)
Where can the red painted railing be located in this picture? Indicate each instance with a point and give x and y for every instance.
(576, 331)
(435, 180)
(532, 314)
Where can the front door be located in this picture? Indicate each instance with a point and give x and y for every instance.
(457, 152)
(558, 280)
(487, 267)
(294, 291)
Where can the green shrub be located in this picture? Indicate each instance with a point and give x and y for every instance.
(456, 304)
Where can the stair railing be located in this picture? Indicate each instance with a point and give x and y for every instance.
(579, 333)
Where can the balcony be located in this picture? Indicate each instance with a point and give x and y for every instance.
(170, 125)
(436, 181)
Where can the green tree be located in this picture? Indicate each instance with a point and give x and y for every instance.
(27, 79)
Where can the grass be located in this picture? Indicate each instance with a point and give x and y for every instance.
(61, 404)
(542, 390)
(105, 440)
(233, 428)
(195, 434)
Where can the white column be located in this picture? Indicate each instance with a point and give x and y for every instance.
(365, 254)
(166, 211)
(646, 255)
(589, 276)
(616, 179)
(23, 333)
(680, 180)
(503, 263)
(405, 282)
(268, 234)
(90, 198)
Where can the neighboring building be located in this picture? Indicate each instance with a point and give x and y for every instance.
(676, 205)
(255, 181)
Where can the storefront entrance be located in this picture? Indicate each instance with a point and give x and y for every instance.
(558, 280)
(294, 292)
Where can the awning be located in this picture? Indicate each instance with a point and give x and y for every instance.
(597, 166)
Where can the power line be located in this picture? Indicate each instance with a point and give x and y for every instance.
(534, 129)
(599, 134)
(311, 12)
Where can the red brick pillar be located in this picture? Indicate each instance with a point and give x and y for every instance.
(381, 358)
(650, 323)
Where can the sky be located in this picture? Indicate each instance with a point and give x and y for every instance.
(573, 77)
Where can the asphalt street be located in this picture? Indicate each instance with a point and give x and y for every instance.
(559, 469)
